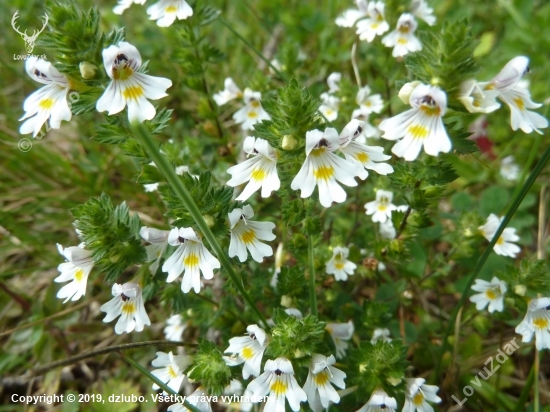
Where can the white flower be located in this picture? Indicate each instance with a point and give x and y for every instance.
(387, 230)
(339, 265)
(252, 112)
(350, 16)
(369, 103)
(503, 246)
(197, 399)
(375, 24)
(278, 264)
(340, 334)
(330, 106)
(230, 92)
(323, 168)
(333, 81)
(151, 187)
(477, 100)
(49, 102)
(249, 350)
(279, 382)
(537, 321)
(379, 402)
(174, 328)
(418, 393)
(77, 269)
(166, 11)
(246, 234)
(260, 170)
(128, 303)
(368, 129)
(491, 293)
(191, 257)
(128, 86)
(420, 126)
(124, 4)
(421, 10)
(158, 240)
(319, 379)
(509, 169)
(403, 39)
(382, 334)
(366, 157)
(171, 369)
(381, 208)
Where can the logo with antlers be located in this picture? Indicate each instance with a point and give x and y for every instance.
(29, 40)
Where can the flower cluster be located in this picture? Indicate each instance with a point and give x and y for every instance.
(164, 12)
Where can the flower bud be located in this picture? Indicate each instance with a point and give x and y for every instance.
(209, 220)
(520, 290)
(406, 90)
(87, 70)
(289, 142)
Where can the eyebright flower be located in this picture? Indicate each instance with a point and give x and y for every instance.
(491, 293)
(379, 402)
(375, 24)
(174, 328)
(128, 303)
(166, 11)
(249, 350)
(158, 240)
(279, 382)
(330, 106)
(537, 321)
(333, 81)
(196, 399)
(477, 100)
(278, 265)
(387, 230)
(252, 112)
(420, 126)
(128, 86)
(402, 39)
(246, 234)
(381, 208)
(191, 257)
(339, 265)
(509, 169)
(230, 92)
(382, 334)
(171, 369)
(418, 393)
(340, 334)
(77, 269)
(369, 103)
(124, 4)
(324, 168)
(503, 246)
(350, 16)
(49, 102)
(260, 170)
(319, 379)
(421, 10)
(368, 129)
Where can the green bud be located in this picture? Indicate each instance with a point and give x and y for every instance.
(520, 290)
(286, 301)
(209, 220)
(87, 70)
(394, 381)
(289, 142)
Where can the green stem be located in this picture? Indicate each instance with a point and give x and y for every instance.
(311, 268)
(515, 204)
(520, 405)
(530, 159)
(179, 188)
(536, 365)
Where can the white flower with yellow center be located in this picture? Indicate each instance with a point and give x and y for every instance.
(537, 321)
(249, 350)
(379, 402)
(403, 39)
(166, 11)
(330, 106)
(350, 16)
(122, 5)
(128, 304)
(323, 168)
(503, 246)
(509, 169)
(340, 334)
(369, 103)
(128, 86)
(418, 395)
(252, 112)
(421, 126)
(170, 370)
(175, 326)
(260, 170)
(230, 92)
(49, 102)
(381, 208)
(491, 293)
(375, 24)
(246, 234)
(198, 399)
(158, 240)
(279, 382)
(319, 379)
(477, 100)
(381, 334)
(191, 257)
(77, 269)
(421, 10)
(339, 265)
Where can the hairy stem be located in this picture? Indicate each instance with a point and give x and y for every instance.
(311, 268)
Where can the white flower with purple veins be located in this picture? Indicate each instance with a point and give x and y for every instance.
(421, 126)
(49, 102)
(230, 92)
(128, 86)
(536, 321)
(77, 269)
(381, 334)
(246, 234)
(158, 240)
(128, 304)
(381, 207)
(330, 106)
(340, 334)
(379, 402)
(175, 326)
(375, 24)
(424, 12)
(350, 16)
(249, 350)
(322, 375)
(503, 246)
(191, 257)
(198, 399)
(252, 112)
(339, 265)
(122, 5)
(509, 169)
(170, 370)
(279, 382)
(368, 129)
(369, 103)
(402, 39)
(166, 11)
(260, 170)
(418, 395)
(490, 293)
(324, 168)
